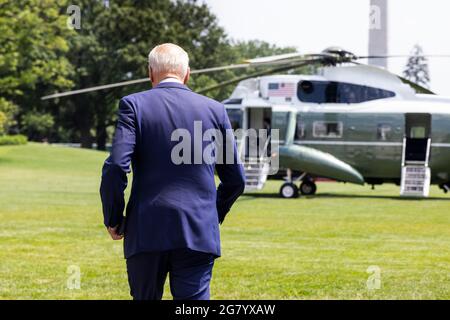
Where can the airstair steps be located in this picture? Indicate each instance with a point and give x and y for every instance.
(415, 180)
(416, 174)
(256, 171)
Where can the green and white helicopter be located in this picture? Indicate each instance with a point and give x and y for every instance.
(349, 122)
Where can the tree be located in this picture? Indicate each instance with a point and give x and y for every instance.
(257, 48)
(2, 123)
(39, 55)
(33, 59)
(238, 52)
(112, 46)
(8, 110)
(37, 125)
(32, 56)
(416, 69)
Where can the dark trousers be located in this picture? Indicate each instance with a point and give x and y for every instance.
(189, 272)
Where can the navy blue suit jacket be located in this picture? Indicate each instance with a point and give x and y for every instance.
(171, 206)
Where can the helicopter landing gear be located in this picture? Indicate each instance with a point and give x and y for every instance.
(445, 187)
(288, 190)
(308, 187)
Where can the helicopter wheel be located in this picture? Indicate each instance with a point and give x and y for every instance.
(445, 187)
(308, 188)
(288, 190)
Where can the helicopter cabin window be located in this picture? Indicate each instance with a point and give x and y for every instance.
(339, 92)
(235, 116)
(418, 132)
(324, 129)
(280, 121)
(300, 128)
(384, 132)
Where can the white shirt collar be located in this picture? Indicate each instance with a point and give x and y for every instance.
(170, 80)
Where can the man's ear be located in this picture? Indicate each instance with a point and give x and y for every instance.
(150, 75)
(186, 77)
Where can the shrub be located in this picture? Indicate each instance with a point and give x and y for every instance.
(8, 110)
(37, 125)
(2, 123)
(13, 140)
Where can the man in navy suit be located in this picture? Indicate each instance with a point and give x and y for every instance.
(174, 210)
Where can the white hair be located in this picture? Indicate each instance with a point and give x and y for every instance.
(169, 58)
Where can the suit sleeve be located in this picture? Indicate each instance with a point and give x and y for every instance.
(117, 166)
(231, 173)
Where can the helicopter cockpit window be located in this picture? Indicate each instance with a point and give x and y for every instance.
(235, 116)
(339, 92)
(324, 129)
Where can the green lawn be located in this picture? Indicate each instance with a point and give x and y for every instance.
(308, 248)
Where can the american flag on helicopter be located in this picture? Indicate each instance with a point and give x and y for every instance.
(281, 89)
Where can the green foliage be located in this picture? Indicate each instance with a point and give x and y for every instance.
(2, 123)
(241, 51)
(204, 81)
(13, 140)
(257, 48)
(39, 55)
(237, 52)
(7, 112)
(37, 125)
(112, 46)
(33, 47)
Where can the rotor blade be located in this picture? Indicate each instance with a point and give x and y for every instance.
(126, 83)
(283, 58)
(103, 87)
(258, 74)
(403, 56)
(250, 63)
(274, 58)
(231, 66)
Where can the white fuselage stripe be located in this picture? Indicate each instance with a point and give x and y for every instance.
(441, 145)
(363, 143)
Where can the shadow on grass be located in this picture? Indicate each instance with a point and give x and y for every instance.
(340, 196)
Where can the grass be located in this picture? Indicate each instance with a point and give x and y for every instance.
(307, 248)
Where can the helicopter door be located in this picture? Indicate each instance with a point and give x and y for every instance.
(257, 118)
(256, 164)
(417, 136)
(416, 153)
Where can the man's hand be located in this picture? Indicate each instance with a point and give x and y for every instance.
(114, 233)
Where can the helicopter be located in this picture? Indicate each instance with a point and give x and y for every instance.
(348, 122)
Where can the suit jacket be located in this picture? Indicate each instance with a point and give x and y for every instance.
(171, 206)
